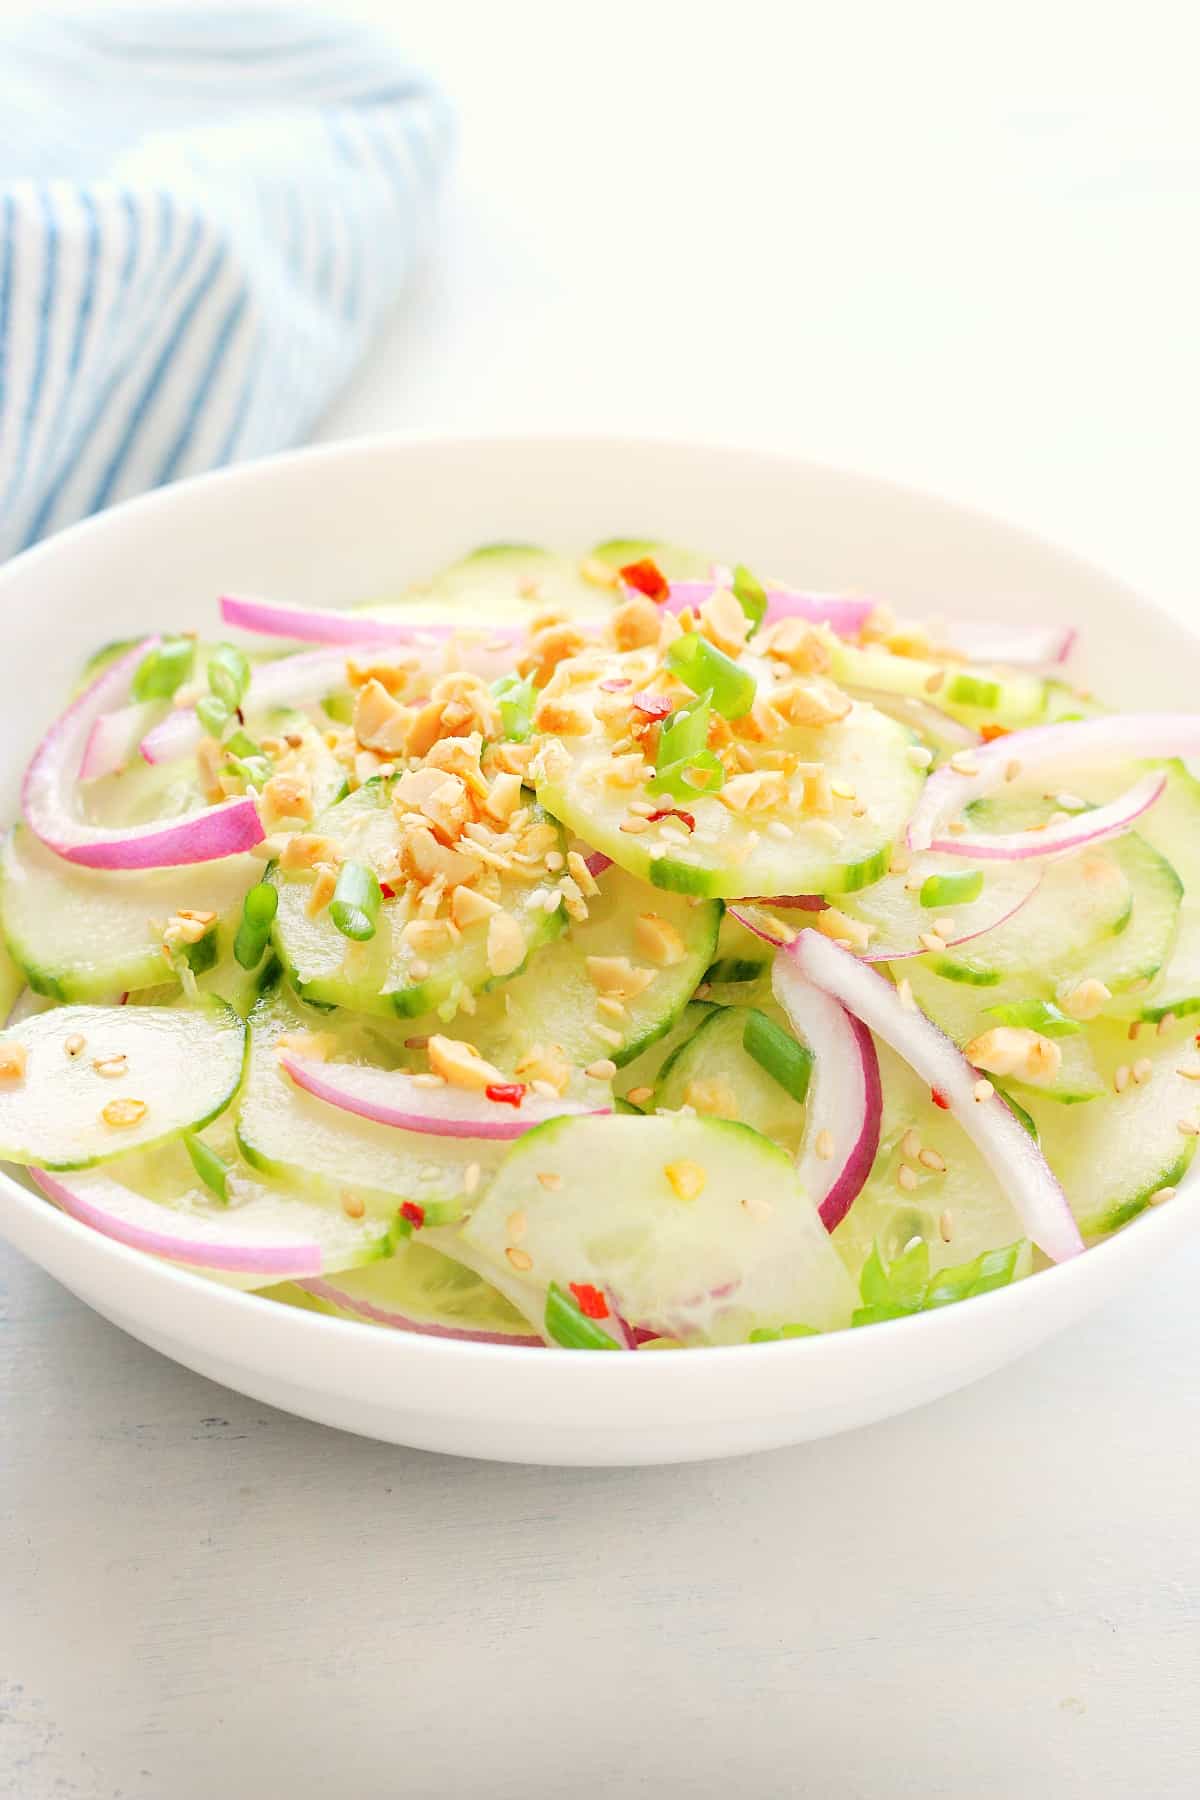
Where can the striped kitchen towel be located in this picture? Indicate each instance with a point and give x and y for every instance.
(205, 212)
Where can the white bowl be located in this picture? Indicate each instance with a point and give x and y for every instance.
(337, 524)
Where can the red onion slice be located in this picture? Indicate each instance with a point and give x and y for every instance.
(1021, 646)
(1091, 827)
(325, 1289)
(932, 723)
(391, 1097)
(114, 738)
(313, 625)
(846, 616)
(232, 1243)
(47, 798)
(1130, 737)
(845, 1096)
(1006, 1146)
(597, 862)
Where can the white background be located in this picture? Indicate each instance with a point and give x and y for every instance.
(955, 244)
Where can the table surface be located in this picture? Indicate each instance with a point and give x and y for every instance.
(955, 250)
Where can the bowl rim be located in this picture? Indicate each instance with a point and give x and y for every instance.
(1145, 1237)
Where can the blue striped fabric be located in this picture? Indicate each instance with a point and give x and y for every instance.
(205, 212)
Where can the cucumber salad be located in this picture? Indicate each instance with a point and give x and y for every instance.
(615, 952)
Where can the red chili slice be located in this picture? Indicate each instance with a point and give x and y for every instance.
(592, 1303)
(654, 706)
(413, 1213)
(646, 576)
(939, 1099)
(671, 812)
(508, 1093)
(989, 733)
(387, 890)
(615, 684)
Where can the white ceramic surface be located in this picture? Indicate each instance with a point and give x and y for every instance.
(341, 523)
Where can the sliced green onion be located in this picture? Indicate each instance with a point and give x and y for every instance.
(566, 1324)
(952, 890)
(686, 780)
(228, 675)
(1024, 1119)
(770, 1334)
(354, 908)
(904, 1287)
(255, 771)
(1035, 1015)
(788, 1062)
(751, 596)
(707, 670)
(518, 697)
(685, 733)
(732, 970)
(973, 690)
(213, 714)
(164, 670)
(242, 744)
(339, 708)
(213, 1172)
(258, 911)
(993, 1269)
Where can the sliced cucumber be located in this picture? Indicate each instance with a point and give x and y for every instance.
(964, 1011)
(87, 934)
(715, 1074)
(705, 1237)
(555, 1002)
(102, 1080)
(1008, 697)
(419, 1285)
(979, 898)
(1114, 1156)
(1082, 902)
(959, 1211)
(386, 974)
(732, 853)
(499, 585)
(676, 564)
(640, 1076)
(1172, 828)
(12, 983)
(328, 1153)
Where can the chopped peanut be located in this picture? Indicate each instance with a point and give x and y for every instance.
(617, 976)
(687, 1178)
(812, 703)
(723, 622)
(424, 859)
(1085, 999)
(565, 718)
(658, 940)
(322, 892)
(580, 872)
(833, 923)
(547, 1064)
(1014, 1050)
(762, 790)
(467, 907)
(380, 721)
(288, 796)
(305, 851)
(635, 624)
(391, 669)
(123, 1112)
(505, 944)
(503, 798)
(800, 646)
(600, 574)
(460, 1064)
(550, 644)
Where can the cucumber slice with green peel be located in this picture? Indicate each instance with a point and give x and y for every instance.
(417, 1288)
(1172, 828)
(1063, 702)
(385, 974)
(1007, 696)
(676, 563)
(1082, 902)
(705, 1237)
(1115, 1156)
(88, 934)
(100, 659)
(154, 1201)
(965, 1011)
(719, 1077)
(975, 900)
(640, 1076)
(100, 1081)
(499, 585)
(555, 1001)
(733, 854)
(325, 1152)
(959, 1211)
(12, 982)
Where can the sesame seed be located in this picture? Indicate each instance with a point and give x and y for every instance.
(1012, 770)
(983, 1090)
(641, 808)
(545, 1090)
(823, 1145)
(1189, 1071)
(842, 790)
(859, 811)
(1143, 1068)
(905, 993)
(554, 861)
(353, 1205)
(471, 1175)
(934, 1160)
(963, 763)
(777, 829)
(517, 1224)
(912, 1243)
(1070, 802)
(906, 1178)
(1188, 1129)
(910, 1143)
(603, 1069)
(607, 1036)
(1133, 1031)
(929, 940)
(1121, 1078)
(417, 969)
(935, 681)
(944, 927)
(899, 862)
(913, 884)
(112, 1067)
(1165, 1023)
(429, 1080)
(75, 1045)
(919, 756)
(520, 1259)
(638, 1096)
(634, 825)
(946, 1226)
(758, 1209)
(1162, 1194)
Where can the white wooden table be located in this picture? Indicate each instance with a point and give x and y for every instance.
(896, 239)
